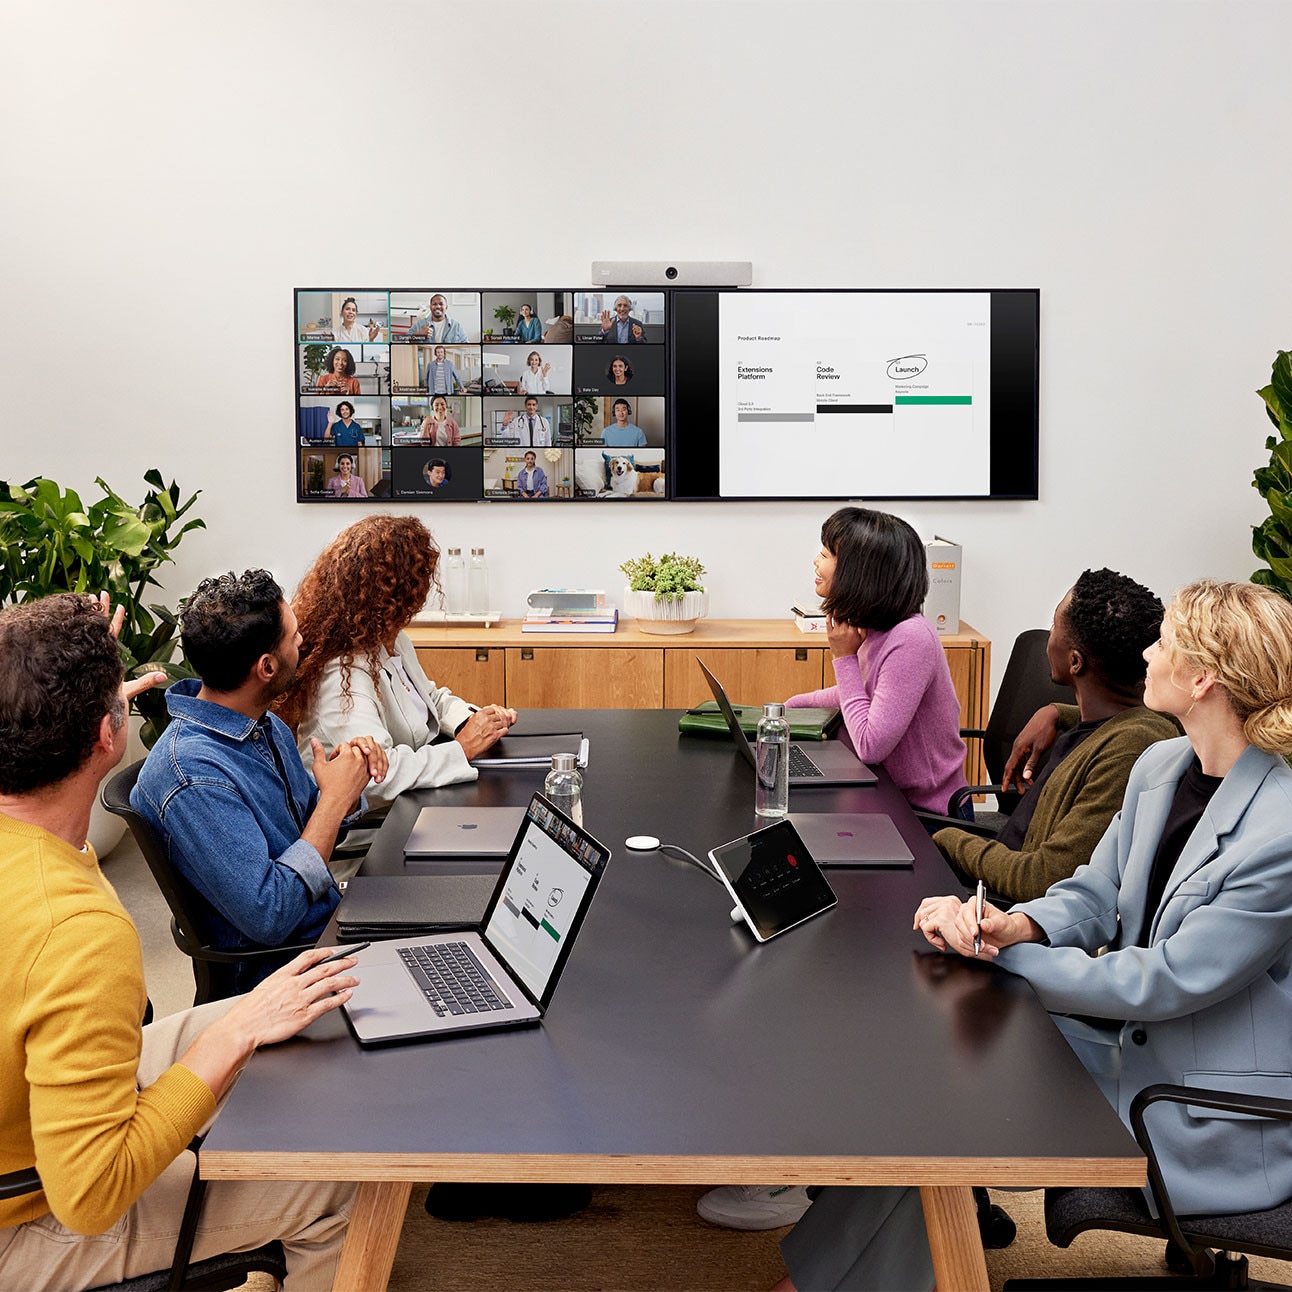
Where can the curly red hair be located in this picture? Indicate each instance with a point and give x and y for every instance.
(364, 588)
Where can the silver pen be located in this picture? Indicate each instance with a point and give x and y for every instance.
(980, 899)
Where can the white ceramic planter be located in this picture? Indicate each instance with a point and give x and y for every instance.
(665, 617)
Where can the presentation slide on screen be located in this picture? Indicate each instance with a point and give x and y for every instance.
(537, 908)
(854, 394)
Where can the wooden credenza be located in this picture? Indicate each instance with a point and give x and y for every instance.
(755, 660)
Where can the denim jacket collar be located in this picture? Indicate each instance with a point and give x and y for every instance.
(182, 702)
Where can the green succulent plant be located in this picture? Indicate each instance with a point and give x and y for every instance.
(1272, 539)
(51, 542)
(667, 576)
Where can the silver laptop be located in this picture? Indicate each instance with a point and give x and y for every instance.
(842, 839)
(503, 976)
(464, 832)
(829, 762)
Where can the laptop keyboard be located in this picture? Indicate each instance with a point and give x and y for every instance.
(452, 979)
(801, 764)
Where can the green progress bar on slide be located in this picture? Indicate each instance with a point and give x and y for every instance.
(932, 399)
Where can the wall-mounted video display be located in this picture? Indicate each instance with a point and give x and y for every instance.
(441, 394)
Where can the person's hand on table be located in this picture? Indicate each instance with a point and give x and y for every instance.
(484, 728)
(951, 925)
(935, 914)
(295, 995)
(1036, 737)
(844, 639)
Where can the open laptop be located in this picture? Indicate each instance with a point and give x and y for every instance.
(830, 762)
(852, 839)
(463, 832)
(503, 976)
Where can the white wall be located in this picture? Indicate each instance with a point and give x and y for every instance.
(175, 170)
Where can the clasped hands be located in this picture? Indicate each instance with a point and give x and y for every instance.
(951, 924)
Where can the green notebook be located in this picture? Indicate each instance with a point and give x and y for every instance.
(805, 724)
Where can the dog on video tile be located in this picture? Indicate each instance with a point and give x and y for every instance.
(623, 479)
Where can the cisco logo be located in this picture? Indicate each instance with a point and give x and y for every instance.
(909, 365)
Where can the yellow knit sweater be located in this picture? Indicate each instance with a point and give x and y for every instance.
(70, 1031)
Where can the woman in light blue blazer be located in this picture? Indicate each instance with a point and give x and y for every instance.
(1191, 891)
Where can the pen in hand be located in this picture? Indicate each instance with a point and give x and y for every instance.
(979, 901)
(341, 955)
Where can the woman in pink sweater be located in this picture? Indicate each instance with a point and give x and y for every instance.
(891, 675)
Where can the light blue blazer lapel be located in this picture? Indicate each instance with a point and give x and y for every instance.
(1151, 810)
(1221, 815)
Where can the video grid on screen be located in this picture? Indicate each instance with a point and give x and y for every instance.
(441, 394)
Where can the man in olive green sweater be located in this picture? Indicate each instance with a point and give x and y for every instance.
(1100, 630)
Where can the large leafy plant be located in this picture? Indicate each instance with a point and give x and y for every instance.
(667, 576)
(1272, 540)
(51, 542)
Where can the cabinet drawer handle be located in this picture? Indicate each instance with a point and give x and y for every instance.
(800, 654)
(527, 652)
(482, 654)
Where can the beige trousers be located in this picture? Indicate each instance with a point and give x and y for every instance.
(309, 1218)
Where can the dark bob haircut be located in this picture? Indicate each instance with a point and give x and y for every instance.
(1112, 620)
(229, 623)
(349, 359)
(60, 674)
(881, 573)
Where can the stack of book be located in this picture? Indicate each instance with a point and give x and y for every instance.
(808, 615)
(569, 610)
(570, 621)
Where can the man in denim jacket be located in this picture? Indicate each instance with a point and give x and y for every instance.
(224, 787)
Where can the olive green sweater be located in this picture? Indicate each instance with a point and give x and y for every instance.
(1080, 798)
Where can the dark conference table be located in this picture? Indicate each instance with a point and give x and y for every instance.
(679, 1050)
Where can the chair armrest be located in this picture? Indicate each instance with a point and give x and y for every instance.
(13, 1184)
(967, 792)
(940, 821)
(1197, 1097)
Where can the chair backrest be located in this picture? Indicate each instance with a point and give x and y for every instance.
(184, 901)
(1025, 687)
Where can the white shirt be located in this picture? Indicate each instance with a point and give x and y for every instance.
(357, 333)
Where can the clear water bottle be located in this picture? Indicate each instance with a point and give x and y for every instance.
(772, 796)
(478, 583)
(455, 583)
(564, 786)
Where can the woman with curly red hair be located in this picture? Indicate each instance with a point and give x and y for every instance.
(359, 671)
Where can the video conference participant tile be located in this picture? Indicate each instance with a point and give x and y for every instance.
(615, 370)
(437, 474)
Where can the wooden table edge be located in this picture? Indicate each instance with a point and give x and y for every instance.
(231, 1164)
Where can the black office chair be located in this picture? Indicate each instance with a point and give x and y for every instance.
(215, 972)
(1192, 1241)
(1025, 688)
(215, 1274)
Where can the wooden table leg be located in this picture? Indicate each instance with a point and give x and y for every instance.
(373, 1236)
(952, 1223)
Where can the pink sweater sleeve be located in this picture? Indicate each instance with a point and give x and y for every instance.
(877, 717)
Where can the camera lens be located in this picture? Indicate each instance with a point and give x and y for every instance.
(670, 272)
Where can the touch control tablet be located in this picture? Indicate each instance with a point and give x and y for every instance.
(774, 880)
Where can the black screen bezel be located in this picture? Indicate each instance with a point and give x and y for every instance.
(1015, 392)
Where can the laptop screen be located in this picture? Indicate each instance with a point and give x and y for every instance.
(543, 897)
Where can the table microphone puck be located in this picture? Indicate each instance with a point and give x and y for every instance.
(641, 842)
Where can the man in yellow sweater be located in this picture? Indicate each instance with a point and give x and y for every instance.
(100, 1105)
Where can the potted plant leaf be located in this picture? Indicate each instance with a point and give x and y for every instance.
(507, 317)
(1272, 539)
(51, 542)
(664, 593)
